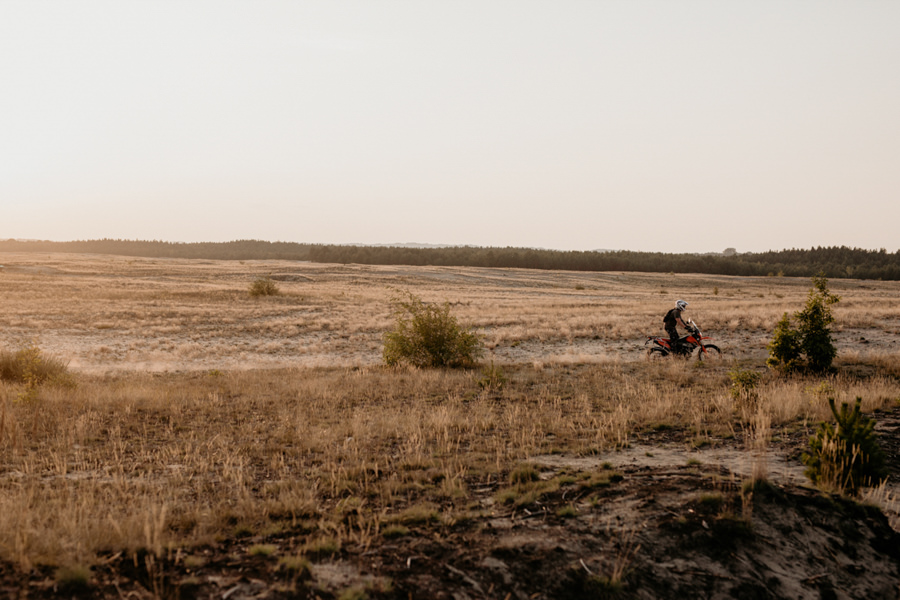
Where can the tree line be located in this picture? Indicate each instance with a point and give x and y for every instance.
(832, 262)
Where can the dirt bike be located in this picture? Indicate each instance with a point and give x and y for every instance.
(684, 347)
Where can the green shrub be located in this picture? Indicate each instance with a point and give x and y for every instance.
(811, 338)
(263, 286)
(814, 320)
(427, 335)
(846, 456)
(743, 385)
(784, 348)
(29, 365)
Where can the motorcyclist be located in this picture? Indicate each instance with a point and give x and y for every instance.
(673, 318)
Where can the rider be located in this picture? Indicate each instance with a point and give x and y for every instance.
(673, 318)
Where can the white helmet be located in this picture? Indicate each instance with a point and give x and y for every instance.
(681, 304)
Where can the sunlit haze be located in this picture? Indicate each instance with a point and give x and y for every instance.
(660, 126)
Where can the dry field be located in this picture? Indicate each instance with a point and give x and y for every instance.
(107, 314)
(219, 445)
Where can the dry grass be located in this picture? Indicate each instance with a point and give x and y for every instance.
(112, 313)
(157, 462)
(333, 447)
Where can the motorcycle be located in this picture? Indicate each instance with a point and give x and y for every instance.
(685, 346)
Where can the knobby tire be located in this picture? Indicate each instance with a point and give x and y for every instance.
(656, 353)
(712, 350)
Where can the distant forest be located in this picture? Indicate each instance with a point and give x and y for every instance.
(834, 262)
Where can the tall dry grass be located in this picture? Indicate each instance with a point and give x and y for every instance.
(209, 448)
(129, 462)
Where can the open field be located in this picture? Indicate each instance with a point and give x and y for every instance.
(108, 314)
(219, 445)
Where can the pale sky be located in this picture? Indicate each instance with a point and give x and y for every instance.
(662, 126)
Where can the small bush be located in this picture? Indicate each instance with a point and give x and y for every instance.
(29, 365)
(814, 320)
(429, 336)
(811, 338)
(743, 385)
(846, 456)
(784, 348)
(263, 286)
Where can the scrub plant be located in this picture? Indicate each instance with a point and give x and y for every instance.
(846, 456)
(743, 385)
(811, 338)
(263, 286)
(32, 367)
(427, 335)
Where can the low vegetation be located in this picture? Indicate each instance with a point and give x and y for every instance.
(808, 344)
(846, 456)
(192, 458)
(263, 286)
(31, 366)
(427, 335)
(157, 463)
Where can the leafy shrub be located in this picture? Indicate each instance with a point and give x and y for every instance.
(427, 335)
(814, 320)
(811, 338)
(743, 385)
(847, 456)
(784, 348)
(263, 286)
(29, 365)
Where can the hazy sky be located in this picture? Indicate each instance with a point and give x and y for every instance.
(671, 125)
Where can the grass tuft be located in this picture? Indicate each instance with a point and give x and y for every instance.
(73, 578)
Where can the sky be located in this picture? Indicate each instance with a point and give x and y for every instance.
(674, 126)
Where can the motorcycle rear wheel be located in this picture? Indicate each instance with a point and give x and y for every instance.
(657, 353)
(712, 352)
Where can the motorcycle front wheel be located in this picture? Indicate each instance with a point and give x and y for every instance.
(712, 352)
